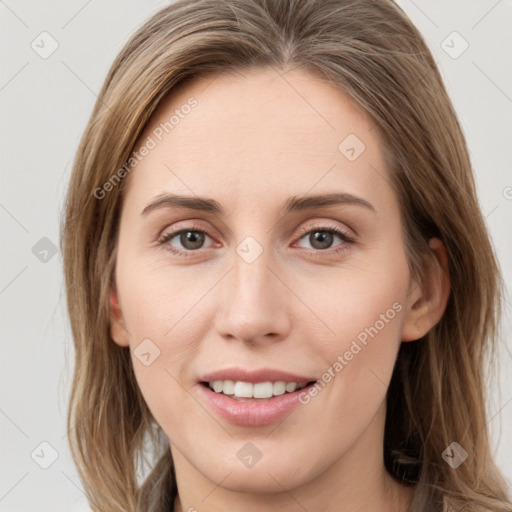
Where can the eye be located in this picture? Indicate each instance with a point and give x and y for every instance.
(191, 239)
(321, 238)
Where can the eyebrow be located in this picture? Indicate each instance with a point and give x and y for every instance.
(292, 204)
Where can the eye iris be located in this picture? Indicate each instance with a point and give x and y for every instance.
(324, 237)
(194, 238)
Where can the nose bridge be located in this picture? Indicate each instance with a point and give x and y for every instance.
(251, 277)
(253, 304)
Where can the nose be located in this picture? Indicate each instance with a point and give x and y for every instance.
(255, 304)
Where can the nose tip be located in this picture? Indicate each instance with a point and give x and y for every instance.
(254, 304)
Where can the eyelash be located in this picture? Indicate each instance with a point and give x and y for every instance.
(345, 237)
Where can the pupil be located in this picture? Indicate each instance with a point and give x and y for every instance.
(192, 239)
(323, 237)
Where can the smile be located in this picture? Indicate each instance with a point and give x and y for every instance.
(240, 390)
(252, 398)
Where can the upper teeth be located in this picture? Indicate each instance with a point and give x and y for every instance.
(257, 390)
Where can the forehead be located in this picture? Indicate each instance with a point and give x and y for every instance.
(259, 131)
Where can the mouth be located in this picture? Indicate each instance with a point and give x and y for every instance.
(243, 391)
(253, 398)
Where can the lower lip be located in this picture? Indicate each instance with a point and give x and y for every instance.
(253, 414)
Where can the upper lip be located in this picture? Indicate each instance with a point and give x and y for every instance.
(260, 375)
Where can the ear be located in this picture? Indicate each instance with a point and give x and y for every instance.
(118, 331)
(427, 301)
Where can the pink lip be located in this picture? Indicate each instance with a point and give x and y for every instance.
(261, 375)
(259, 412)
(252, 414)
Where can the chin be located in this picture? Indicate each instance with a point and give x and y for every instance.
(265, 477)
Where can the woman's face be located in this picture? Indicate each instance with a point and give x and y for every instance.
(281, 263)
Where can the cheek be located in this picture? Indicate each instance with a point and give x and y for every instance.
(359, 302)
(159, 299)
(163, 327)
(363, 310)
(162, 360)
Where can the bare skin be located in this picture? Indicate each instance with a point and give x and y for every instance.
(251, 142)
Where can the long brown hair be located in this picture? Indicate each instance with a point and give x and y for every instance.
(370, 50)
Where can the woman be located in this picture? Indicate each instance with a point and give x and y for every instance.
(279, 281)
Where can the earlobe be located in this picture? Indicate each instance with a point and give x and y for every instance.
(428, 300)
(117, 328)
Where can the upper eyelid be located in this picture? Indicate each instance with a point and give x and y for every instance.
(303, 231)
(197, 227)
(324, 226)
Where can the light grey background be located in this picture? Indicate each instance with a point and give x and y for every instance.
(45, 103)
